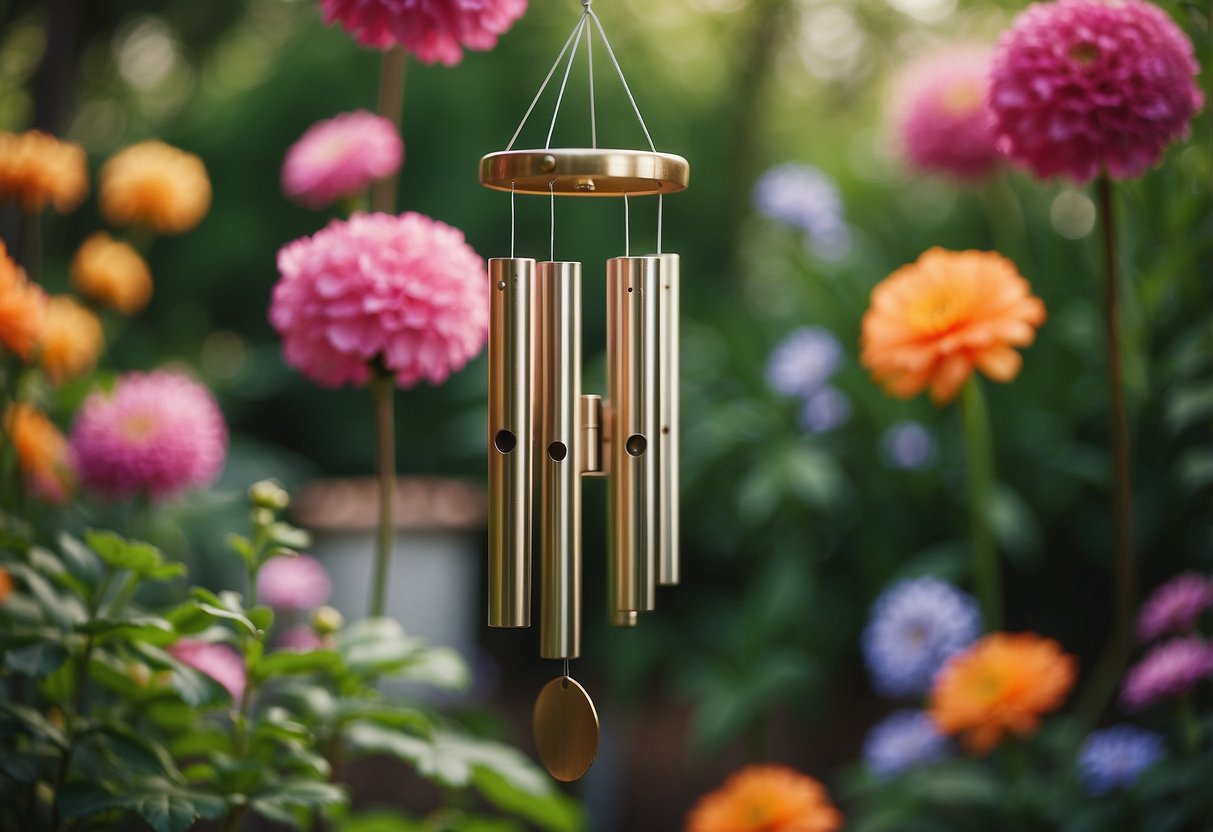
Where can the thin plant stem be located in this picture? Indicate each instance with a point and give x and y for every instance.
(979, 454)
(382, 390)
(29, 254)
(1004, 217)
(391, 107)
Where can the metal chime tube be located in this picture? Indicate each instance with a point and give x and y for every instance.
(511, 396)
(632, 290)
(560, 454)
(668, 565)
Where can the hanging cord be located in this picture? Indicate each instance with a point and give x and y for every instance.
(627, 229)
(611, 52)
(512, 224)
(577, 28)
(552, 198)
(589, 51)
(566, 668)
(660, 216)
(582, 26)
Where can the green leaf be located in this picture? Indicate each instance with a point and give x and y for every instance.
(80, 560)
(242, 546)
(277, 802)
(195, 688)
(376, 645)
(294, 662)
(408, 720)
(34, 723)
(65, 610)
(440, 667)
(149, 628)
(262, 617)
(133, 753)
(170, 809)
(36, 660)
(550, 810)
(287, 535)
(141, 558)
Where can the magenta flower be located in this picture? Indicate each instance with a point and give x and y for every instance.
(1175, 606)
(407, 291)
(1170, 669)
(301, 637)
(431, 30)
(294, 583)
(219, 661)
(1083, 86)
(339, 157)
(156, 433)
(940, 113)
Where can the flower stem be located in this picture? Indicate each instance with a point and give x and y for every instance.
(980, 457)
(1123, 569)
(391, 107)
(382, 389)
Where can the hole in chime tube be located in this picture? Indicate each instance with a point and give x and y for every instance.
(558, 451)
(504, 441)
(635, 444)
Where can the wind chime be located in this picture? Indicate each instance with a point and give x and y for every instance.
(545, 432)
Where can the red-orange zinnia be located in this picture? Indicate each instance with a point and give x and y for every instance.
(22, 308)
(37, 170)
(933, 321)
(42, 452)
(1001, 685)
(765, 798)
(6, 585)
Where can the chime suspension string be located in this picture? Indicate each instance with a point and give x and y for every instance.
(576, 29)
(552, 205)
(660, 215)
(627, 229)
(589, 52)
(582, 27)
(619, 70)
(512, 223)
(566, 668)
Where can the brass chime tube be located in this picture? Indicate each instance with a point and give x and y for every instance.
(560, 458)
(668, 564)
(632, 290)
(511, 394)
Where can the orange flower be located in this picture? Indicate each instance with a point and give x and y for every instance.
(22, 307)
(1001, 685)
(933, 321)
(765, 798)
(111, 272)
(71, 339)
(36, 169)
(42, 452)
(155, 185)
(6, 585)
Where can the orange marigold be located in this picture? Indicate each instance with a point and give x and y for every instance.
(1001, 685)
(42, 452)
(36, 169)
(933, 321)
(22, 307)
(111, 272)
(154, 184)
(765, 798)
(71, 339)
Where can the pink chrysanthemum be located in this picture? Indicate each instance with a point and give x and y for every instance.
(405, 290)
(156, 434)
(1170, 669)
(294, 583)
(219, 661)
(339, 157)
(432, 30)
(1175, 606)
(940, 113)
(1083, 86)
(301, 637)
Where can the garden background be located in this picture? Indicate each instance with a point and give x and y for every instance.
(794, 520)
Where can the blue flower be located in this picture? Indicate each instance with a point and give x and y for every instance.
(801, 363)
(905, 739)
(806, 199)
(908, 445)
(915, 626)
(825, 410)
(1115, 757)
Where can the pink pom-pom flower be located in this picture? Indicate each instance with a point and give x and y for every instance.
(301, 638)
(434, 31)
(1170, 669)
(1084, 86)
(156, 433)
(339, 157)
(406, 291)
(1175, 606)
(219, 661)
(939, 112)
(294, 583)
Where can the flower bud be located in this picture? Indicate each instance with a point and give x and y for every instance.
(269, 494)
(327, 620)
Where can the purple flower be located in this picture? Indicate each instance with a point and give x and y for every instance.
(806, 199)
(219, 661)
(294, 583)
(1116, 756)
(905, 739)
(825, 410)
(300, 637)
(1170, 669)
(1175, 606)
(914, 627)
(802, 362)
(908, 445)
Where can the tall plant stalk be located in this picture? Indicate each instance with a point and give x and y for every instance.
(391, 107)
(382, 389)
(979, 453)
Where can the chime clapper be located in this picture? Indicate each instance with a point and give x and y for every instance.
(545, 433)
